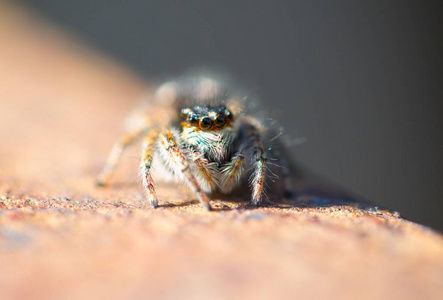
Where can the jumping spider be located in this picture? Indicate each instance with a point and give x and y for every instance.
(196, 130)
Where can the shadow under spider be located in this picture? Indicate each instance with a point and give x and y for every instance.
(306, 194)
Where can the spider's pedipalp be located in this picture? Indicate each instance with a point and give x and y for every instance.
(205, 172)
(178, 163)
(232, 172)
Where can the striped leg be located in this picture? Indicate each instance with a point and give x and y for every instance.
(145, 167)
(258, 177)
(181, 166)
(114, 157)
(259, 158)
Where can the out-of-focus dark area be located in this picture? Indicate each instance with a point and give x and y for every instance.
(361, 81)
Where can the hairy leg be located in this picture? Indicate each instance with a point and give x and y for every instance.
(178, 163)
(259, 157)
(114, 157)
(145, 167)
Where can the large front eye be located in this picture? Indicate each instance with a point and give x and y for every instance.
(220, 121)
(205, 123)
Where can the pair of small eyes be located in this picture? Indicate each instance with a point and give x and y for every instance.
(206, 122)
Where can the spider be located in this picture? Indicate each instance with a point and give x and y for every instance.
(196, 130)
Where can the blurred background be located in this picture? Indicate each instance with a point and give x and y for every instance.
(360, 80)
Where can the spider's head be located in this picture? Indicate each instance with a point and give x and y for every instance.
(206, 118)
(208, 129)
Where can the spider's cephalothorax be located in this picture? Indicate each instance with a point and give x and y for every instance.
(209, 130)
(198, 132)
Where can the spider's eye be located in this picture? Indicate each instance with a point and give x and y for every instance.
(220, 121)
(205, 123)
(193, 119)
(228, 114)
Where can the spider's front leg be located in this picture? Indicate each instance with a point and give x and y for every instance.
(178, 162)
(145, 167)
(259, 158)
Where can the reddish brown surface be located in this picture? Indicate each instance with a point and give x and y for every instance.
(62, 238)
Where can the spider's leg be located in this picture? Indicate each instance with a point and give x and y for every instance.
(114, 157)
(259, 158)
(145, 167)
(232, 172)
(178, 163)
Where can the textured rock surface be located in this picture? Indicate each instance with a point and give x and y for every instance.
(62, 238)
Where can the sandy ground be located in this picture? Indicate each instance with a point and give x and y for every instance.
(61, 237)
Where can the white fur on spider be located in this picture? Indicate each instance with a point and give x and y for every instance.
(215, 144)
